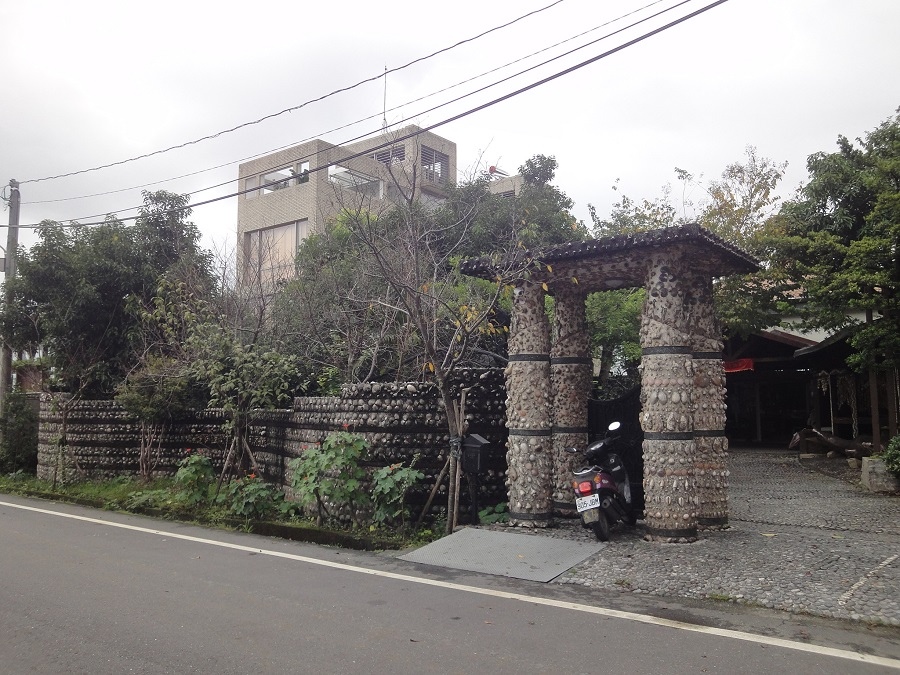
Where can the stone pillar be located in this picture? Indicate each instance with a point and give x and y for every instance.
(670, 486)
(571, 373)
(529, 456)
(711, 445)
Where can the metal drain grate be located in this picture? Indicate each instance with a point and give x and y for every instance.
(521, 556)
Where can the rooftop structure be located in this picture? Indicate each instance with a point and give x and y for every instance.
(292, 193)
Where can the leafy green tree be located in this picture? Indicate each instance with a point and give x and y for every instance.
(159, 390)
(170, 243)
(69, 297)
(614, 322)
(480, 223)
(18, 435)
(335, 315)
(742, 201)
(628, 216)
(198, 347)
(341, 313)
(740, 206)
(545, 210)
(841, 242)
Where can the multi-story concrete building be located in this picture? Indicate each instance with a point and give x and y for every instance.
(291, 194)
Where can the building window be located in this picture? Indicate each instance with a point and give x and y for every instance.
(269, 253)
(251, 184)
(356, 181)
(435, 165)
(276, 180)
(301, 172)
(390, 155)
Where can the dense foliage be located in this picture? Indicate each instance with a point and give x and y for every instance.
(839, 243)
(69, 300)
(18, 435)
(378, 294)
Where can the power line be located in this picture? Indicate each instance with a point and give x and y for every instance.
(297, 107)
(458, 116)
(466, 113)
(392, 109)
(432, 109)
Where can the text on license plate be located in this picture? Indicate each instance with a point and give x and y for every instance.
(589, 502)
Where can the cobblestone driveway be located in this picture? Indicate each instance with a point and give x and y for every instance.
(800, 540)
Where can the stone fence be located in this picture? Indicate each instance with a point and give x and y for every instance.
(400, 421)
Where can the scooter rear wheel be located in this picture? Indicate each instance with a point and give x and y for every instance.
(601, 527)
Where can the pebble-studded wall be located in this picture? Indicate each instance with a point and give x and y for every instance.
(709, 408)
(670, 484)
(571, 377)
(399, 420)
(98, 439)
(530, 455)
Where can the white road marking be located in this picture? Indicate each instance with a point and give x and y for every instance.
(884, 563)
(521, 597)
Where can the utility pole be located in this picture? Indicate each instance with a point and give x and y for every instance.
(12, 244)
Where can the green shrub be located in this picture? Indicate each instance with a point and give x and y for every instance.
(254, 499)
(891, 456)
(494, 514)
(389, 487)
(329, 476)
(194, 478)
(19, 427)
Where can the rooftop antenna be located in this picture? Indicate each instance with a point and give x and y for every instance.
(384, 108)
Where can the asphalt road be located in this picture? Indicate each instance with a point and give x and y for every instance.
(134, 595)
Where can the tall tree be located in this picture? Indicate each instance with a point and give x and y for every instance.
(392, 269)
(842, 235)
(340, 310)
(740, 207)
(540, 215)
(336, 315)
(69, 297)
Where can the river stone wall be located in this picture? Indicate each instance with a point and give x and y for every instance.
(667, 415)
(529, 418)
(571, 379)
(99, 439)
(710, 443)
(399, 421)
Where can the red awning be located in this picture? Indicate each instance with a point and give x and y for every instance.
(739, 365)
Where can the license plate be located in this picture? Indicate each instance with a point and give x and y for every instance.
(589, 502)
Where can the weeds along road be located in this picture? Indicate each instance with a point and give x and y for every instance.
(85, 591)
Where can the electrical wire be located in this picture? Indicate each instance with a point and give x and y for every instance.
(370, 117)
(458, 116)
(297, 107)
(437, 107)
(433, 108)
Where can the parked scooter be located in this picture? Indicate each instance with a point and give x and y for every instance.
(602, 489)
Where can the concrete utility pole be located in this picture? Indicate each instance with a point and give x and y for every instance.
(12, 244)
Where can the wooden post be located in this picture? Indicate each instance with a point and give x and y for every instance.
(892, 402)
(876, 418)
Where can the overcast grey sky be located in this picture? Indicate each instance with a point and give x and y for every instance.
(93, 82)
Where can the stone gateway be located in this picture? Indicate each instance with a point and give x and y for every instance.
(548, 380)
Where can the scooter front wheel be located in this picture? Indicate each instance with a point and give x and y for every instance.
(601, 527)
